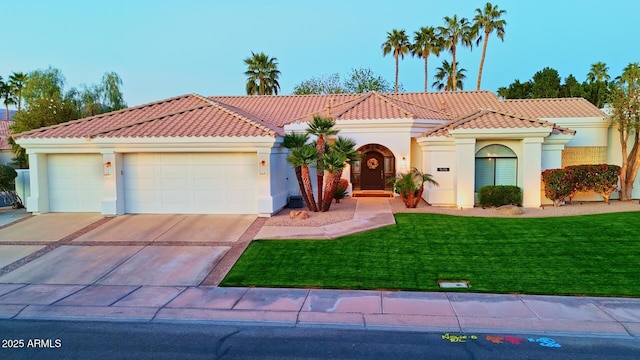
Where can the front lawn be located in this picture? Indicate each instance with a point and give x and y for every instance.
(596, 255)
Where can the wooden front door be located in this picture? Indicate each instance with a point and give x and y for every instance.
(372, 173)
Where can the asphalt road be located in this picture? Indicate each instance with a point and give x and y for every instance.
(108, 340)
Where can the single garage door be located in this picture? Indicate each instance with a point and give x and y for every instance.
(75, 182)
(191, 183)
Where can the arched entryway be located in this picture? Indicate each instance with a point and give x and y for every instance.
(376, 166)
(496, 165)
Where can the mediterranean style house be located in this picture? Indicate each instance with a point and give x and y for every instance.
(224, 155)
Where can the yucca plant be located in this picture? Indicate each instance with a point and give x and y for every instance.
(410, 186)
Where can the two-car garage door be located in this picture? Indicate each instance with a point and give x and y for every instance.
(190, 183)
(157, 183)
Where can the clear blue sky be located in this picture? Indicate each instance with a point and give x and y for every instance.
(168, 48)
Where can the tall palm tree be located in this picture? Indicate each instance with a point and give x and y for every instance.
(262, 74)
(321, 128)
(488, 20)
(630, 74)
(456, 31)
(398, 44)
(598, 77)
(346, 147)
(425, 43)
(7, 95)
(302, 157)
(18, 81)
(444, 77)
(294, 141)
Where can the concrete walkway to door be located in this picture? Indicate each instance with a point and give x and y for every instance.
(370, 213)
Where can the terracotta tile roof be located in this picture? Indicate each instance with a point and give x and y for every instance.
(4, 134)
(187, 115)
(490, 119)
(378, 106)
(551, 108)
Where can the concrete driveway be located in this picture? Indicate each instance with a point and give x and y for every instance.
(136, 250)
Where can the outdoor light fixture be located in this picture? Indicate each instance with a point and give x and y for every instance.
(404, 162)
(108, 171)
(263, 167)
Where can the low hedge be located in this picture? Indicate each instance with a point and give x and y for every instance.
(498, 195)
(566, 182)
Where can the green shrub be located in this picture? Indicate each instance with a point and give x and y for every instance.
(7, 177)
(500, 195)
(562, 183)
(558, 185)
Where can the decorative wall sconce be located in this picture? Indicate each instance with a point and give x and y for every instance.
(108, 169)
(263, 167)
(403, 163)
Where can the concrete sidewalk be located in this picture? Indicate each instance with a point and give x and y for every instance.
(62, 297)
(375, 310)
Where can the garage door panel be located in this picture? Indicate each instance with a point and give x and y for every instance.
(75, 182)
(198, 183)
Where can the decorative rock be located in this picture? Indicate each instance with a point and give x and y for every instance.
(298, 214)
(509, 210)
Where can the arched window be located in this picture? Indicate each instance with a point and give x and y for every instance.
(496, 165)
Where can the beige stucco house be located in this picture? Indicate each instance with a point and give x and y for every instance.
(224, 154)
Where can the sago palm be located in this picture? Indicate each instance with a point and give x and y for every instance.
(294, 141)
(333, 162)
(321, 128)
(486, 21)
(398, 44)
(346, 147)
(303, 157)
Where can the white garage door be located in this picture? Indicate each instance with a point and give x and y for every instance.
(75, 182)
(191, 183)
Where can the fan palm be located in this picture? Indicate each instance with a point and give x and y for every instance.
(18, 81)
(262, 74)
(488, 20)
(425, 43)
(598, 76)
(293, 141)
(346, 147)
(7, 95)
(444, 77)
(321, 128)
(456, 31)
(303, 157)
(398, 44)
(630, 75)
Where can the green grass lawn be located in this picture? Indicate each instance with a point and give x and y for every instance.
(597, 255)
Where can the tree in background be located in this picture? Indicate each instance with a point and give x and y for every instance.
(363, 80)
(325, 84)
(444, 77)
(486, 21)
(262, 75)
(598, 79)
(46, 103)
(516, 90)
(6, 94)
(546, 84)
(359, 81)
(18, 81)
(397, 43)
(571, 88)
(425, 43)
(624, 99)
(456, 31)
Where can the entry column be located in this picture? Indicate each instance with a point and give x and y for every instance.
(532, 168)
(465, 172)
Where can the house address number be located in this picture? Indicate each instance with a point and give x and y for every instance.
(443, 169)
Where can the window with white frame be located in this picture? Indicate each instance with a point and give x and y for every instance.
(496, 165)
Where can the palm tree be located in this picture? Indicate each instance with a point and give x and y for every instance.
(18, 81)
(398, 43)
(425, 43)
(7, 95)
(346, 147)
(321, 128)
(333, 162)
(444, 77)
(598, 76)
(294, 141)
(302, 157)
(630, 74)
(488, 20)
(262, 74)
(456, 31)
